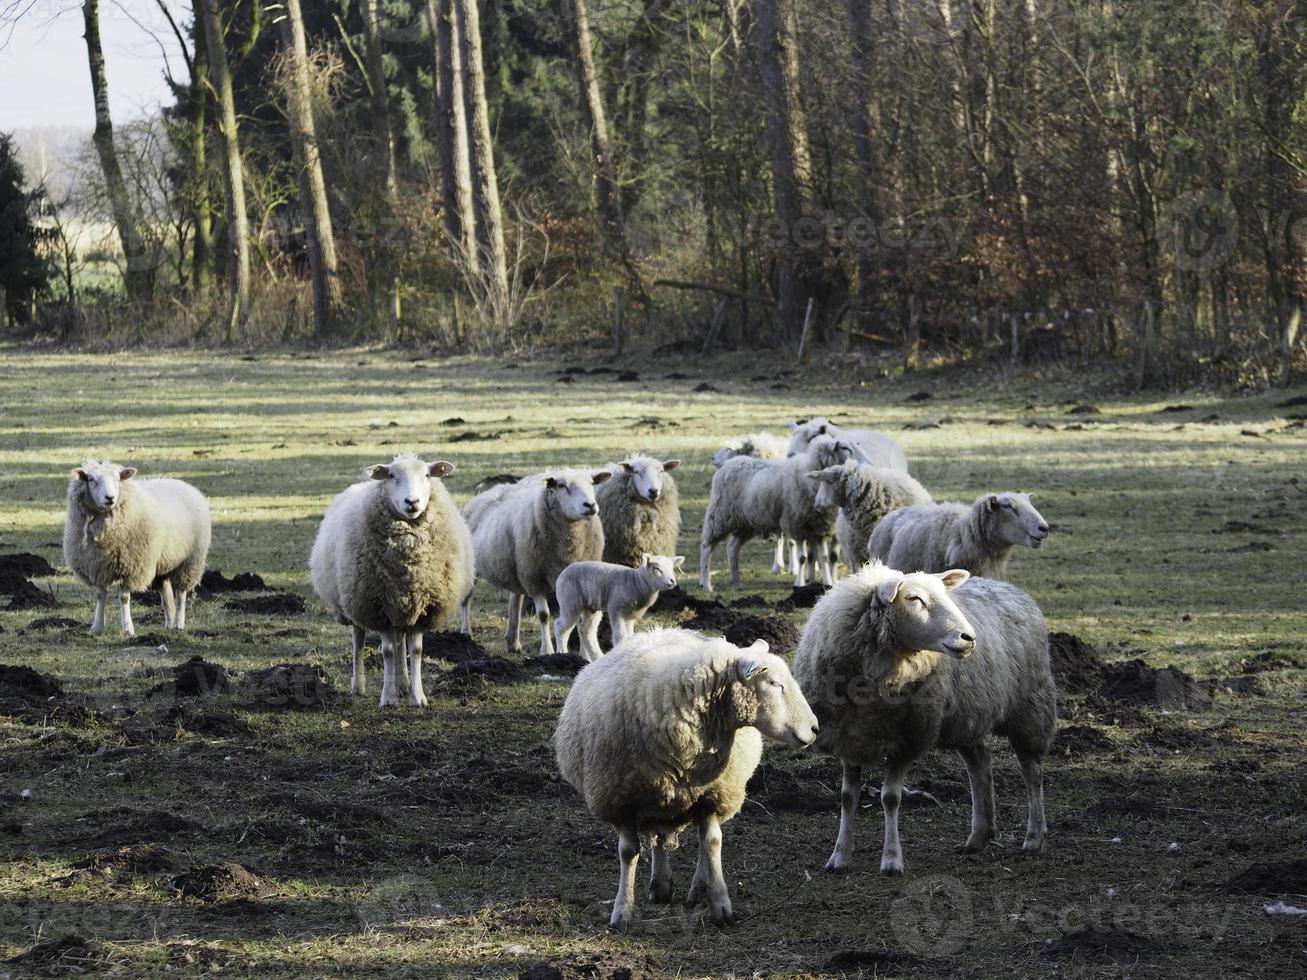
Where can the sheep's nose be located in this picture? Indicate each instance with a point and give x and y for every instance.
(590, 509)
(411, 501)
(109, 498)
(1043, 529)
(967, 638)
(653, 494)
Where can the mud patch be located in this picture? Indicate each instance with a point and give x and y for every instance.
(213, 582)
(1124, 806)
(25, 564)
(220, 882)
(595, 966)
(1245, 684)
(290, 686)
(781, 635)
(492, 668)
(37, 698)
(454, 647)
(676, 599)
(566, 664)
(870, 959)
(802, 597)
(749, 602)
(1102, 942)
(195, 678)
(135, 858)
(1169, 688)
(69, 955)
(1273, 878)
(123, 825)
(1075, 741)
(24, 595)
(48, 623)
(711, 616)
(269, 604)
(1077, 667)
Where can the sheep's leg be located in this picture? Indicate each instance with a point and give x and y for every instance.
(465, 615)
(358, 681)
(628, 856)
(981, 776)
(891, 794)
(180, 621)
(544, 616)
(841, 858)
(1032, 768)
(416, 696)
(401, 664)
(778, 561)
(389, 698)
(795, 568)
(733, 545)
(97, 621)
(125, 600)
(828, 570)
(705, 567)
(590, 636)
(660, 878)
(563, 626)
(169, 604)
(513, 636)
(709, 873)
(801, 557)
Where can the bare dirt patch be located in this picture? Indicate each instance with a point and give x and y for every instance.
(220, 882)
(1102, 942)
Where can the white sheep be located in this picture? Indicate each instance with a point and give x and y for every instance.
(762, 445)
(138, 534)
(895, 665)
(665, 731)
(393, 555)
(864, 494)
(640, 510)
(526, 533)
(753, 498)
(589, 589)
(876, 448)
(933, 537)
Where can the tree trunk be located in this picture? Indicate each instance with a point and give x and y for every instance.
(491, 254)
(451, 129)
(386, 140)
(202, 247)
(139, 279)
(238, 221)
(866, 137)
(313, 184)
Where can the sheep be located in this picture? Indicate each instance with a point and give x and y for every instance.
(933, 537)
(140, 534)
(864, 494)
(876, 448)
(755, 497)
(639, 509)
(895, 665)
(524, 535)
(393, 555)
(665, 731)
(761, 445)
(588, 589)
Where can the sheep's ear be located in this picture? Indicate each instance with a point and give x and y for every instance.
(859, 453)
(379, 472)
(671, 464)
(993, 501)
(440, 468)
(603, 476)
(627, 466)
(678, 561)
(646, 560)
(795, 424)
(888, 590)
(747, 669)
(552, 483)
(127, 472)
(954, 577)
(79, 474)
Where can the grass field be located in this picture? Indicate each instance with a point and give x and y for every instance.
(408, 843)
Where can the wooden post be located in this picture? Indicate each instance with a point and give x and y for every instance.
(807, 325)
(619, 315)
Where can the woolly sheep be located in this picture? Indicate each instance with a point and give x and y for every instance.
(640, 511)
(873, 447)
(933, 537)
(524, 535)
(393, 555)
(895, 665)
(755, 497)
(864, 494)
(665, 731)
(140, 534)
(761, 445)
(588, 589)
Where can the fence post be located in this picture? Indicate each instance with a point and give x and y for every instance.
(807, 325)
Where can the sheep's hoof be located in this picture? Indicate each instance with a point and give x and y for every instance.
(96, 632)
(417, 699)
(891, 869)
(129, 633)
(1033, 845)
(839, 867)
(620, 923)
(722, 918)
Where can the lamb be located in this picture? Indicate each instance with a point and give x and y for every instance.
(761, 445)
(393, 555)
(526, 533)
(864, 494)
(665, 731)
(639, 509)
(933, 537)
(755, 497)
(588, 589)
(895, 665)
(142, 534)
(877, 448)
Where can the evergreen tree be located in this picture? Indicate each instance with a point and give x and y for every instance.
(24, 272)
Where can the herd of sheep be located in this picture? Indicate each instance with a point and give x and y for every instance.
(923, 646)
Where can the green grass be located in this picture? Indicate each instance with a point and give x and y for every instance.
(442, 843)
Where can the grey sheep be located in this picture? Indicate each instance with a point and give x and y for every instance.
(874, 447)
(139, 534)
(665, 731)
(895, 665)
(933, 537)
(762, 445)
(393, 555)
(524, 535)
(864, 494)
(589, 589)
(640, 510)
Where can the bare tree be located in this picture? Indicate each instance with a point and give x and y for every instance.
(451, 127)
(385, 137)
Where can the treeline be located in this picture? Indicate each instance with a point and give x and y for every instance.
(1024, 178)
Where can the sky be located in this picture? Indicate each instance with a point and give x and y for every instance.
(44, 79)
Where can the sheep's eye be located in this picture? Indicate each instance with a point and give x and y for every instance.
(917, 598)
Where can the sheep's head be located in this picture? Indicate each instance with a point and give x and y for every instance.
(647, 476)
(661, 570)
(572, 492)
(783, 713)
(101, 483)
(830, 487)
(407, 483)
(1016, 520)
(720, 457)
(802, 433)
(922, 614)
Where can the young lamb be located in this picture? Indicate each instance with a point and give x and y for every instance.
(756, 497)
(877, 448)
(933, 537)
(896, 665)
(588, 589)
(864, 494)
(526, 533)
(640, 511)
(761, 445)
(665, 731)
(393, 556)
(140, 534)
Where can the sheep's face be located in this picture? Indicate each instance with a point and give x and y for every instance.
(722, 455)
(647, 476)
(829, 450)
(830, 487)
(1018, 521)
(802, 433)
(573, 493)
(661, 570)
(102, 483)
(925, 617)
(783, 712)
(407, 484)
